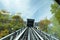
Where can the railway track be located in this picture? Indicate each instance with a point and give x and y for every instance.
(34, 34)
(30, 33)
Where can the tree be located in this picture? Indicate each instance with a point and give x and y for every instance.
(55, 28)
(9, 24)
(16, 17)
(4, 18)
(55, 9)
(17, 22)
(44, 24)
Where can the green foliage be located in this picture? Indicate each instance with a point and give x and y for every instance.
(8, 25)
(55, 30)
(55, 9)
(43, 24)
(17, 22)
(16, 17)
(4, 33)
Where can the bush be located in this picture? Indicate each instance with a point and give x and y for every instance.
(4, 33)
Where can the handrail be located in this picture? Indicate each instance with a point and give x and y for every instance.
(20, 34)
(51, 37)
(29, 34)
(38, 35)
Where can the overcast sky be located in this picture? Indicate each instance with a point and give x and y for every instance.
(36, 9)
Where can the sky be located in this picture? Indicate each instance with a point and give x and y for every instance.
(34, 9)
